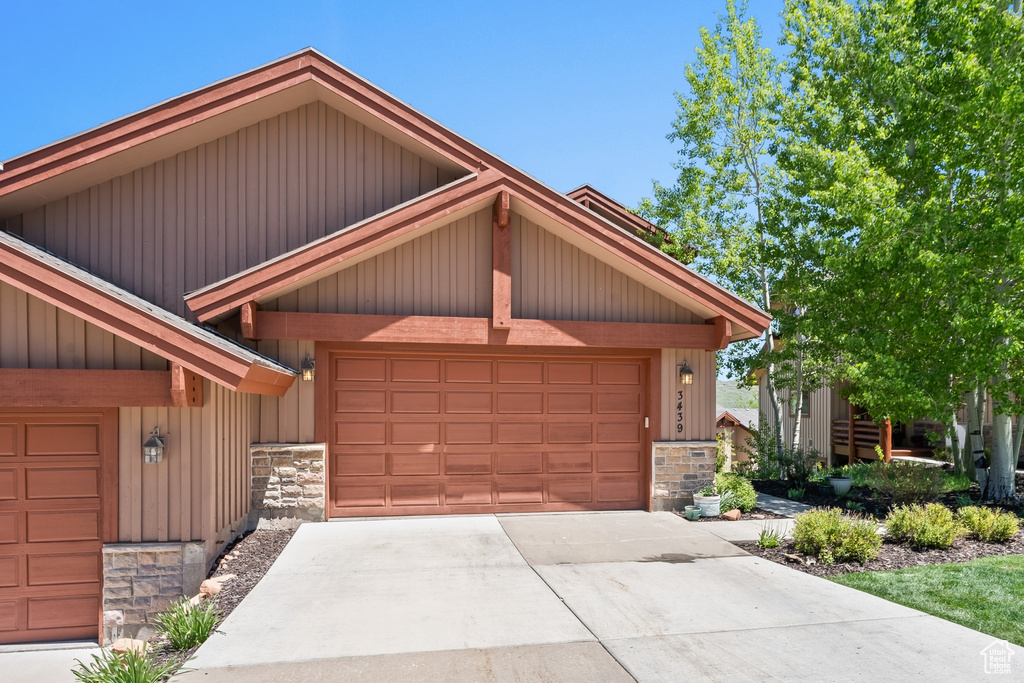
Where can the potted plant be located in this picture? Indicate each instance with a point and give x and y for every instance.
(841, 484)
(819, 479)
(708, 500)
(692, 512)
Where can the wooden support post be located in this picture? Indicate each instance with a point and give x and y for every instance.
(186, 388)
(501, 271)
(723, 332)
(885, 440)
(247, 316)
(851, 458)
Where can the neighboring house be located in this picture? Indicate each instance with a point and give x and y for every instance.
(737, 424)
(329, 305)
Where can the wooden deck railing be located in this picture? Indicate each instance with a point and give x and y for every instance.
(864, 435)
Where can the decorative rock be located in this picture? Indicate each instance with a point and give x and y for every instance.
(122, 645)
(731, 515)
(196, 599)
(213, 586)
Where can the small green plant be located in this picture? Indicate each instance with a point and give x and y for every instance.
(729, 501)
(854, 506)
(795, 494)
(907, 482)
(742, 490)
(987, 524)
(928, 526)
(770, 537)
(186, 625)
(799, 464)
(956, 482)
(859, 474)
(130, 667)
(709, 490)
(832, 537)
(723, 451)
(963, 500)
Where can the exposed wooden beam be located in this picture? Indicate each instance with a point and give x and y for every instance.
(247, 315)
(501, 265)
(339, 327)
(85, 388)
(723, 332)
(186, 388)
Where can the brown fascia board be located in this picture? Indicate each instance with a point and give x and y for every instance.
(610, 206)
(339, 83)
(45, 276)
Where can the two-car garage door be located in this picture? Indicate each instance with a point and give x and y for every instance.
(434, 434)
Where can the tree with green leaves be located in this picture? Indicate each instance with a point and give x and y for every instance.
(729, 203)
(908, 154)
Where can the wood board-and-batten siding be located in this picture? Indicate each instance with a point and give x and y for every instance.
(815, 428)
(195, 218)
(200, 489)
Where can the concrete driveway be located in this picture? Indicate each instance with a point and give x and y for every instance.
(563, 597)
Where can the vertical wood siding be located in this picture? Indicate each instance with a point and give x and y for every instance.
(815, 429)
(699, 416)
(211, 211)
(202, 484)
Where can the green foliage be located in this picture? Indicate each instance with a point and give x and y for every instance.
(832, 537)
(130, 667)
(929, 526)
(982, 594)
(721, 452)
(963, 500)
(744, 495)
(709, 490)
(854, 506)
(186, 625)
(906, 482)
(987, 524)
(798, 465)
(761, 450)
(859, 473)
(796, 493)
(955, 482)
(769, 537)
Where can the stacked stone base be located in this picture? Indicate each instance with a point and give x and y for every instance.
(681, 468)
(288, 480)
(140, 580)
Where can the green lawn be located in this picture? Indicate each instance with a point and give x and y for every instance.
(985, 594)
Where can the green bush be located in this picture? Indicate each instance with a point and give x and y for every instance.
(186, 625)
(859, 474)
(929, 526)
(130, 667)
(799, 465)
(906, 482)
(760, 450)
(987, 524)
(795, 494)
(729, 501)
(770, 537)
(832, 537)
(746, 496)
(955, 482)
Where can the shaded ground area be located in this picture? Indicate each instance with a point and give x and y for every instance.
(892, 556)
(754, 515)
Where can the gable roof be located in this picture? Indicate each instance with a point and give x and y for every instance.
(200, 349)
(745, 417)
(166, 128)
(614, 211)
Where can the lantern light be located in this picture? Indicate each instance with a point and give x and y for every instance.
(308, 369)
(685, 373)
(153, 449)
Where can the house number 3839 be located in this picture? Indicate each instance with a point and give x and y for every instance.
(679, 412)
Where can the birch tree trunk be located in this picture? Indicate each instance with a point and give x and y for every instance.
(956, 448)
(975, 415)
(799, 410)
(1003, 467)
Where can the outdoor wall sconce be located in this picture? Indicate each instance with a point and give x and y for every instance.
(153, 449)
(685, 373)
(308, 369)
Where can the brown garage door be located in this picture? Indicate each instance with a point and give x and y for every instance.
(412, 434)
(50, 525)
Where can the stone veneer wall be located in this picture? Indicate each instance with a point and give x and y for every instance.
(288, 480)
(140, 580)
(680, 469)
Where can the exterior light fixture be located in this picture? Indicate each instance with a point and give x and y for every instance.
(308, 369)
(685, 373)
(153, 449)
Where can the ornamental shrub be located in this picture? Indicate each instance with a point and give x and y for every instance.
(929, 526)
(746, 496)
(987, 524)
(832, 537)
(186, 625)
(907, 482)
(131, 667)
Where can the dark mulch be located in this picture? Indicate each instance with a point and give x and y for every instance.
(249, 558)
(892, 556)
(756, 513)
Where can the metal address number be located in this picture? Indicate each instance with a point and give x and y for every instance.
(679, 412)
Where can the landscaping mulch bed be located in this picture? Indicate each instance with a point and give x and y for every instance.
(891, 556)
(755, 514)
(248, 558)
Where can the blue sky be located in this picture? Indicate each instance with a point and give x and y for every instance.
(571, 92)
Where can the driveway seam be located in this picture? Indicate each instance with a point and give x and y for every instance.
(562, 600)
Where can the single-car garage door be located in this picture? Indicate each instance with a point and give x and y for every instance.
(51, 518)
(415, 434)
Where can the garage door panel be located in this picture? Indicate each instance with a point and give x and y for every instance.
(360, 401)
(8, 484)
(46, 613)
(63, 568)
(467, 463)
(468, 434)
(56, 439)
(416, 402)
(8, 440)
(9, 574)
(10, 614)
(415, 464)
(71, 525)
(570, 462)
(469, 402)
(61, 482)
(360, 464)
(360, 369)
(9, 525)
